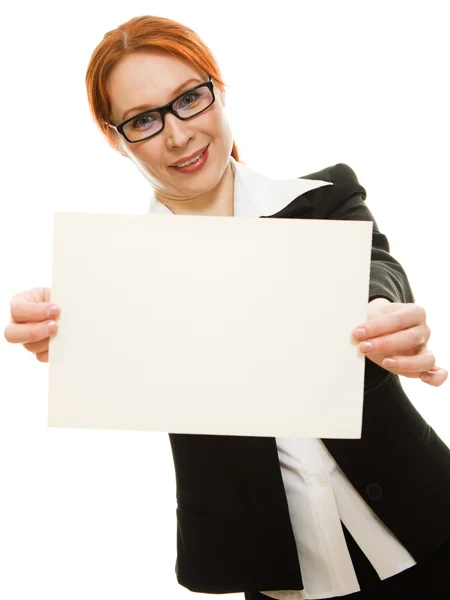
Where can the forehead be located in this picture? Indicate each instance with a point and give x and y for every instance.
(147, 77)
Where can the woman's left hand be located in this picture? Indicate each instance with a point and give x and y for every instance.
(399, 331)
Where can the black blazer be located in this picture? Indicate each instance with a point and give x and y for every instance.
(234, 530)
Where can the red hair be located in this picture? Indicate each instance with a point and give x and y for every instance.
(137, 34)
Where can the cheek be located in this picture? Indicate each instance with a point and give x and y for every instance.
(223, 129)
(149, 156)
(215, 126)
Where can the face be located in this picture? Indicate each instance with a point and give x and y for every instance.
(145, 80)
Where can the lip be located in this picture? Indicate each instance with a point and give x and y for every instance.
(185, 158)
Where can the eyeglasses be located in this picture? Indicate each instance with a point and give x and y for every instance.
(151, 122)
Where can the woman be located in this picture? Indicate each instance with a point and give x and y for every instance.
(272, 518)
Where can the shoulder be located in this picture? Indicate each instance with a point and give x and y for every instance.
(341, 175)
(320, 203)
(328, 199)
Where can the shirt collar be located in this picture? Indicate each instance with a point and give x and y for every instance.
(256, 195)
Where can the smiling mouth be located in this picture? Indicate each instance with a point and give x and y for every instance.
(190, 161)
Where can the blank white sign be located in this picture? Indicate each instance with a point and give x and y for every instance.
(209, 325)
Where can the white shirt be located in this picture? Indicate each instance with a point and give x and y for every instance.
(318, 493)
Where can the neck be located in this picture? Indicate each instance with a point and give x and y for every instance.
(216, 202)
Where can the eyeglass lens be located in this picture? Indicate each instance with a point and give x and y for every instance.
(186, 106)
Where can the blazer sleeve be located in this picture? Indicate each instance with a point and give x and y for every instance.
(387, 276)
(345, 200)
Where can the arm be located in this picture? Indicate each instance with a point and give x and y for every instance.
(387, 277)
(396, 326)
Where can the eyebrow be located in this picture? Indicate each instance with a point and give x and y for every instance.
(174, 94)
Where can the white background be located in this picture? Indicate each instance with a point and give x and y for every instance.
(91, 514)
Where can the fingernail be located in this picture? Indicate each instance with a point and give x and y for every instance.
(366, 346)
(51, 326)
(360, 333)
(426, 378)
(389, 362)
(52, 310)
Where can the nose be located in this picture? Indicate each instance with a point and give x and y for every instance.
(178, 132)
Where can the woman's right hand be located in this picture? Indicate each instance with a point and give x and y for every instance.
(30, 321)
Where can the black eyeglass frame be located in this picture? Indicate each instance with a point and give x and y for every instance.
(163, 110)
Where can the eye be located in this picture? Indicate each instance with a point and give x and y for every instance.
(144, 121)
(188, 99)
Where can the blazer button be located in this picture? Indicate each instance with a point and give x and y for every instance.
(374, 491)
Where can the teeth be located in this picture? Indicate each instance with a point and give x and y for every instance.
(189, 162)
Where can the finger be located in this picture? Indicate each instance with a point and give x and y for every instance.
(435, 377)
(42, 357)
(37, 347)
(399, 319)
(23, 310)
(29, 332)
(398, 342)
(411, 364)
